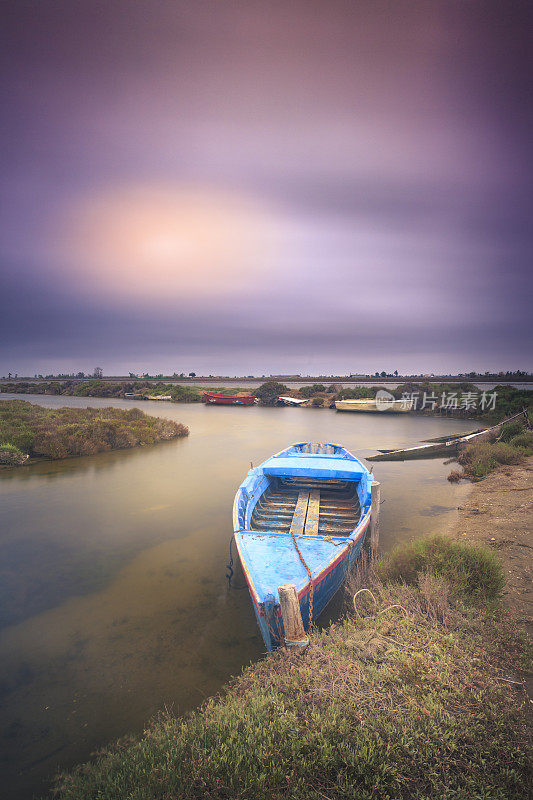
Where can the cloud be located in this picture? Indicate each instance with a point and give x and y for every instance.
(251, 184)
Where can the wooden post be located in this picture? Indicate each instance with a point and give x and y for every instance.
(375, 499)
(295, 635)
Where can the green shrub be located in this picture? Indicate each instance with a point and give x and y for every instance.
(11, 455)
(523, 440)
(317, 402)
(186, 394)
(9, 447)
(269, 392)
(474, 573)
(478, 460)
(356, 393)
(310, 391)
(511, 429)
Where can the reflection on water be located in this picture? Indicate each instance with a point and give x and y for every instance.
(113, 594)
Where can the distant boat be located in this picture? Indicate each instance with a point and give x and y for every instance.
(312, 498)
(290, 401)
(370, 406)
(228, 399)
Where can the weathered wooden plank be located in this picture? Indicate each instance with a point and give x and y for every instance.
(375, 499)
(313, 511)
(295, 635)
(298, 520)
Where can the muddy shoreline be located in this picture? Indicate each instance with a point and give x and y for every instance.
(498, 513)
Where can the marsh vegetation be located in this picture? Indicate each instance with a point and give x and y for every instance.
(37, 432)
(479, 459)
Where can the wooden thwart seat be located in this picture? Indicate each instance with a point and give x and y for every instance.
(306, 514)
(300, 513)
(313, 512)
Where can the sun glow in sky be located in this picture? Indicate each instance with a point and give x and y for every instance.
(163, 244)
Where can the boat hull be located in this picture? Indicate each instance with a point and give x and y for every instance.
(212, 398)
(325, 587)
(370, 406)
(441, 448)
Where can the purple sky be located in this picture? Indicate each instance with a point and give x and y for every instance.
(266, 186)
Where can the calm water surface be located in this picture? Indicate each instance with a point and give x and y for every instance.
(113, 597)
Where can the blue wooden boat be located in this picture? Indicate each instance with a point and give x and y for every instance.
(300, 518)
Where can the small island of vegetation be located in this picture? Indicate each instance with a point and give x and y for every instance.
(31, 431)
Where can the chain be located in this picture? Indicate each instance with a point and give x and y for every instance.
(311, 587)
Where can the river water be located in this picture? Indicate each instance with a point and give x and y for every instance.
(113, 597)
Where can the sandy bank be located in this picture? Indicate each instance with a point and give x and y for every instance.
(498, 512)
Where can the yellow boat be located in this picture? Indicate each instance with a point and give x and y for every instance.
(374, 405)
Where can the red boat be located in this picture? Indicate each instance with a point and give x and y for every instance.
(228, 399)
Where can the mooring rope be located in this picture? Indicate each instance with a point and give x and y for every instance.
(229, 567)
(312, 588)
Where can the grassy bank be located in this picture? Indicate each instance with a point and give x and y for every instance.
(414, 694)
(512, 446)
(28, 430)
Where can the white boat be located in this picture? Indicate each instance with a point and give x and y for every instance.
(290, 401)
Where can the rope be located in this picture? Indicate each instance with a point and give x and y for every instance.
(229, 567)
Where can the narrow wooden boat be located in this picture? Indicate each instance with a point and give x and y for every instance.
(290, 401)
(369, 406)
(300, 518)
(441, 448)
(228, 399)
